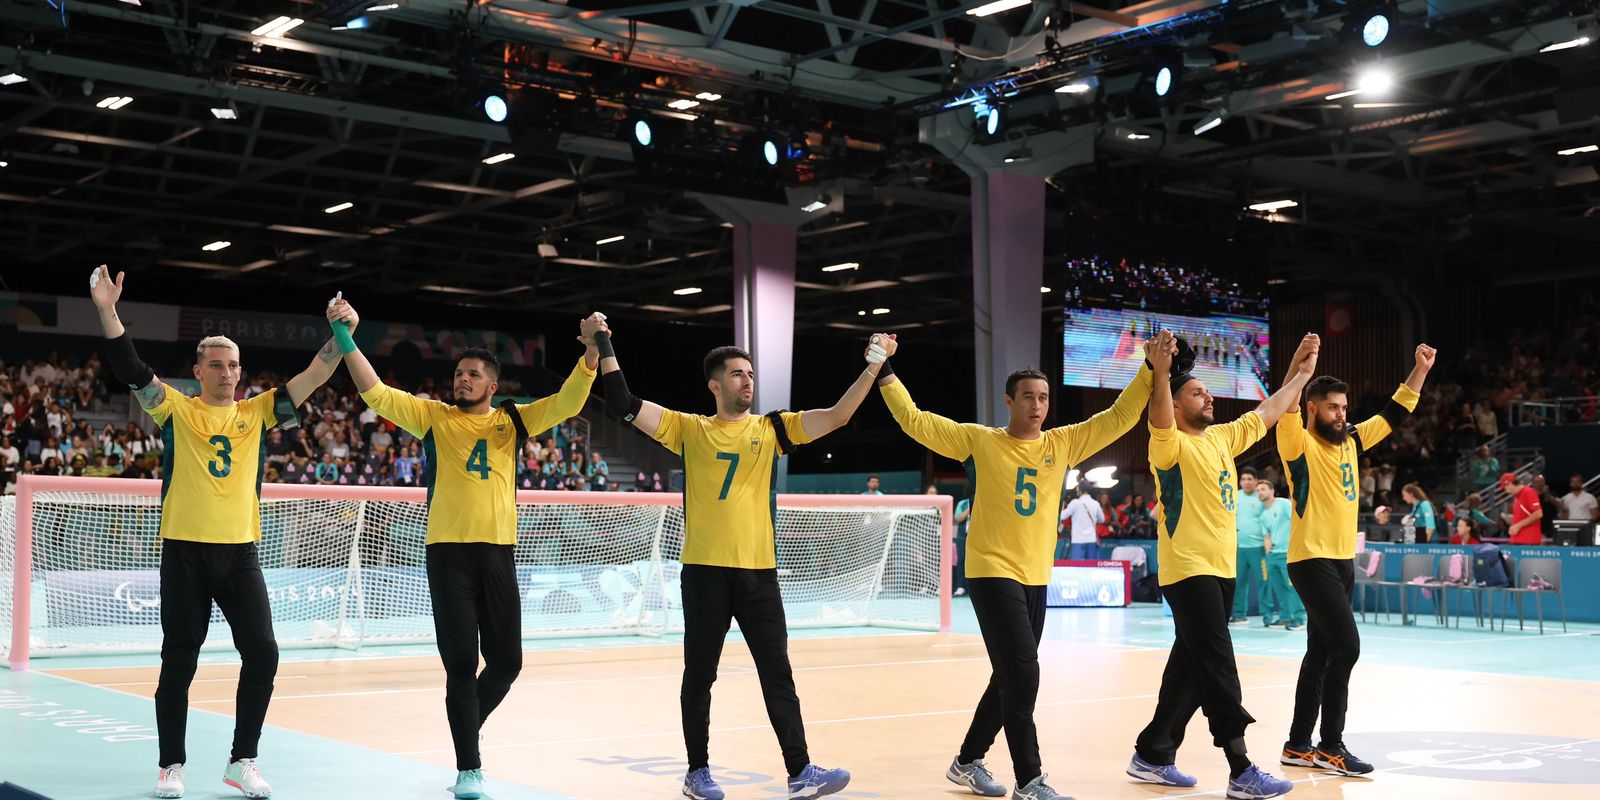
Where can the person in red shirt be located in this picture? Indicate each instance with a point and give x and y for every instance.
(1525, 511)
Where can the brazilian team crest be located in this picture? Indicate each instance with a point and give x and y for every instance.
(1049, 461)
(241, 426)
(500, 431)
(755, 445)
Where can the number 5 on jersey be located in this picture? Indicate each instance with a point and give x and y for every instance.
(1025, 487)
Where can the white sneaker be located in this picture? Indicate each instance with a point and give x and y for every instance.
(244, 776)
(170, 782)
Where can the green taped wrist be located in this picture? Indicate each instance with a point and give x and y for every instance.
(341, 337)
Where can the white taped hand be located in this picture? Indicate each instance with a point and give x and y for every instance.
(94, 278)
(875, 352)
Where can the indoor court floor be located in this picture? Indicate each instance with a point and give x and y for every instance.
(1442, 713)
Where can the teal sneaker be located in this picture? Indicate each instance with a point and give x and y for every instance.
(469, 784)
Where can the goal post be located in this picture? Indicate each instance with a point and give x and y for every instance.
(345, 565)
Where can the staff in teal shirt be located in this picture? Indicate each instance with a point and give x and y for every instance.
(1280, 603)
(1250, 555)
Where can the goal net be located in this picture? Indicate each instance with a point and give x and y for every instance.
(344, 565)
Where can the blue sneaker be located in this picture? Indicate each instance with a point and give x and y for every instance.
(698, 785)
(1167, 775)
(814, 781)
(469, 784)
(1037, 789)
(975, 776)
(1253, 784)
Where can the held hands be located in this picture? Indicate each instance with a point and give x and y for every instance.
(1160, 351)
(1305, 356)
(104, 291)
(880, 347)
(340, 310)
(591, 325)
(1425, 356)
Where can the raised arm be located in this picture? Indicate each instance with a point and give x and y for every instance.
(1090, 436)
(1419, 373)
(565, 404)
(125, 364)
(326, 362)
(1288, 395)
(942, 435)
(645, 415)
(820, 422)
(361, 370)
(1162, 414)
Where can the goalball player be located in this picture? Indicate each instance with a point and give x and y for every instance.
(470, 451)
(212, 449)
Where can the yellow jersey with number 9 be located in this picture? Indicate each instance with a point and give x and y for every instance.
(470, 460)
(730, 497)
(211, 465)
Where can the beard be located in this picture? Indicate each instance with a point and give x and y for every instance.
(1330, 432)
(738, 405)
(463, 401)
(1199, 419)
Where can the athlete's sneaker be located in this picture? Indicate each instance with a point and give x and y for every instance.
(1298, 755)
(1295, 626)
(1165, 775)
(170, 782)
(1337, 758)
(975, 776)
(815, 781)
(1253, 784)
(469, 784)
(698, 785)
(244, 776)
(1239, 621)
(1037, 789)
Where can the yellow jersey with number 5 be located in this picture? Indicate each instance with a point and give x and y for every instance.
(211, 465)
(470, 460)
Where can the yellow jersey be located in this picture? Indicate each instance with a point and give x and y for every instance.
(1323, 479)
(470, 460)
(1197, 497)
(1017, 482)
(211, 460)
(730, 474)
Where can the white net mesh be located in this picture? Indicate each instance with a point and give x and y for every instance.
(347, 572)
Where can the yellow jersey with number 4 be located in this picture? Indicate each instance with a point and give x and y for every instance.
(211, 465)
(470, 460)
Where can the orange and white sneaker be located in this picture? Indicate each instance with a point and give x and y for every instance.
(1338, 758)
(1298, 755)
(170, 782)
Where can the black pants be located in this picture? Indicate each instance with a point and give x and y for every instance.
(1332, 647)
(712, 597)
(192, 575)
(1011, 618)
(473, 586)
(1201, 673)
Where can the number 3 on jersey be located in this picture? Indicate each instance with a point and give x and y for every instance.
(224, 456)
(478, 459)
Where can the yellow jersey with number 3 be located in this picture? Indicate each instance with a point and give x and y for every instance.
(1324, 481)
(1016, 482)
(730, 472)
(1197, 497)
(211, 465)
(470, 460)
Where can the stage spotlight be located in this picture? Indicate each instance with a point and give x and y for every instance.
(1375, 30)
(643, 136)
(769, 152)
(495, 106)
(1164, 78)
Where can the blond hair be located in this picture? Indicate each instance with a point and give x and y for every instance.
(213, 341)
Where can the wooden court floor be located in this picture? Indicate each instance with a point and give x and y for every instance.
(603, 723)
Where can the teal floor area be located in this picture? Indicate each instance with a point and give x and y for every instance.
(66, 739)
